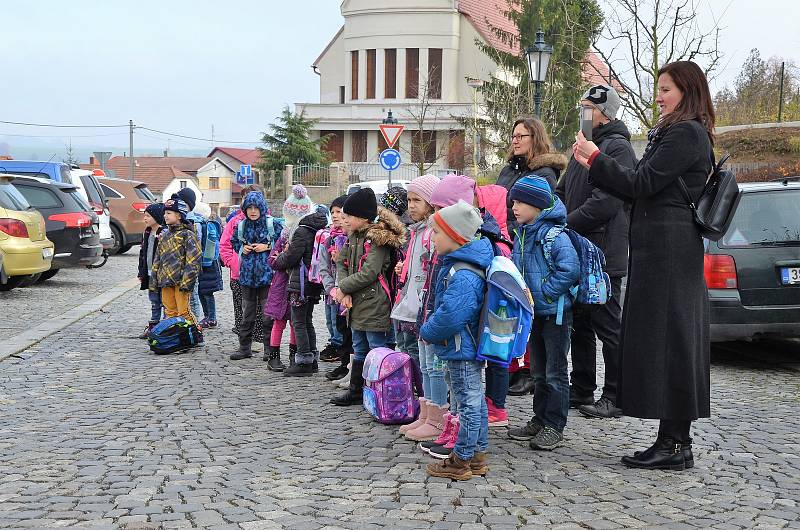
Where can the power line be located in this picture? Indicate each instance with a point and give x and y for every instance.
(194, 137)
(61, 135)
(62, 126)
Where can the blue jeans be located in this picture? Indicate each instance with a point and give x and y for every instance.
(549, 347)
(364, 341)
(434, 386)
(155, 306)
(473, 435)
(331, 312)
(209, 306)
(497, 384)
(194, 302)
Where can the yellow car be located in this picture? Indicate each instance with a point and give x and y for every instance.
(24, 247)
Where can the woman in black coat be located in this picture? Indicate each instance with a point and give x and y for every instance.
(665, 361)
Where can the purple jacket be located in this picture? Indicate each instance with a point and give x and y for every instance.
(277, 306)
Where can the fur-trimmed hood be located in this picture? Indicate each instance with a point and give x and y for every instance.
(554, 160)
(389, 231)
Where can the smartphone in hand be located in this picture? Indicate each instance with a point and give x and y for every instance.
(586, 122)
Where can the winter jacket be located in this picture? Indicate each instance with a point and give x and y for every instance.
(414, 272)
(371, 304)
(452, 328)
(296, 258)
(254, 269)
(177, 261)
(548, 166)
(546, 284)
(229, 256)
(494, 199)
(594, 213)
(327, 268)
(277, 304)
(147, 253)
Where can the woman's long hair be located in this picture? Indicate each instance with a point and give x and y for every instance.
(540, 141)
(696, 103)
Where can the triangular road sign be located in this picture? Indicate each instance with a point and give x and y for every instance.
(391, 133)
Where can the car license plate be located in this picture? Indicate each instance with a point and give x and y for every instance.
(47, 253)
(790, 275)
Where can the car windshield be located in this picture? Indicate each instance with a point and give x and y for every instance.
(144, 193)
(11, 198)
(765, 218)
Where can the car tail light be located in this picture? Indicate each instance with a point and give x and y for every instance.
(720, 272)
(140, 206)
(98, 209)
(72, 220)
(98, 173)
(13, 227)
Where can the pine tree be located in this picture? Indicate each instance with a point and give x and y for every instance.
(289, 143)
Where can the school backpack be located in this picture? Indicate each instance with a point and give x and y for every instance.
(320, 240)
(506, 316)
(173, 335)
(389, 383)
(594, 285)
(209, 240)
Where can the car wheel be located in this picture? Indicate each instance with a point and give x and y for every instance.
(13, 281)
(124, 249)
(117, 240)
(46, 275)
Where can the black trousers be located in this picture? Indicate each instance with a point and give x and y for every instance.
(675, 429)
(304, 332)
(590, 323)
(253, 299)
(238, 307)
(346, 349)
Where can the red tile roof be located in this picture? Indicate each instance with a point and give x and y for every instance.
(596, 72)
(157, 178)
(488, 14)
(245, 156)
(189, 164)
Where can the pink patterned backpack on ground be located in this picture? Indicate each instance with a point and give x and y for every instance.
(389, 383)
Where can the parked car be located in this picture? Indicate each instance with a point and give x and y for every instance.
(127, 200)
(24, 247)
(71, 224)
(57, 171)
(90, 190)
(753, 272)
(380, 187)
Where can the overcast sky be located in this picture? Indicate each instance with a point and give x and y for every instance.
(182, 65)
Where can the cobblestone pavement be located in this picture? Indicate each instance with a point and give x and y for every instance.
(96, 432)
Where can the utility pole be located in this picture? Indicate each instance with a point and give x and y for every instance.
(212, 135)
(130, 149)
(780, 101)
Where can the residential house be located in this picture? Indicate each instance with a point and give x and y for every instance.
(235, 158)
(162, 181)
(387, 56)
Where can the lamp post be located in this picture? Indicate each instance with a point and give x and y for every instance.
(389, 120)
(475, 84)
(538, 61)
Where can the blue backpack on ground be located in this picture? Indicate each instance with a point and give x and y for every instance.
(506, 316)
(174, 335)
(594, 285)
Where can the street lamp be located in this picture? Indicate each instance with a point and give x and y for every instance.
(475, 84)
(538, 61)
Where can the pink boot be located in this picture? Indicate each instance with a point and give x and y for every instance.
(423, 415)
(432, 427)
(443, 438)
(497, 417)
(443, 451)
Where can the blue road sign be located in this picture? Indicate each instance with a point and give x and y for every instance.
(246, 170)
(390, 159)
(244, 179)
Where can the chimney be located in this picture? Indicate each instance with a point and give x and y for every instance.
(91, 160)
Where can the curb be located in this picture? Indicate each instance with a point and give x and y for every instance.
(28, 338)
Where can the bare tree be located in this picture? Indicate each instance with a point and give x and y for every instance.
(644, 35)
(423, 116)
(70, 158)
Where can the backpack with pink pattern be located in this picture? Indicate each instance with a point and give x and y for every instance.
(389, 383)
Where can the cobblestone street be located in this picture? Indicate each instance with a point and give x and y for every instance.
(98, 432)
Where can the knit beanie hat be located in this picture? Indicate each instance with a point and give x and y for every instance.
(156, 211)
(188, 196)
(395, 200)
(297, 205)
(362, 204)
(338, 202)
(459, 221)
(178, 206)
(604, 98)
(534, 190)
(424, 186)
(451, 189)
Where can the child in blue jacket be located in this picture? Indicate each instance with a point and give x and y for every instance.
(452, 329)
(550, 266)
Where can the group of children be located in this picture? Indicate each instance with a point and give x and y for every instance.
(405, 273)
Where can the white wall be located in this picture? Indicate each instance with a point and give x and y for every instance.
(175, 186)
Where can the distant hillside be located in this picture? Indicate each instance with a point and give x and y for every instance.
(761, 154)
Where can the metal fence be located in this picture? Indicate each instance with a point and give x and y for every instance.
(362, 171)
(312, 175)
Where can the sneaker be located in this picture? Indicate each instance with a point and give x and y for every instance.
(337, 373)
(497, 417)
(441, 451)
(299, 370)
(202, 323)
(547, 439)
(526, 432)
(602, 408)
(329, 354)
(210, 324)
(146, 332)
(239, 355)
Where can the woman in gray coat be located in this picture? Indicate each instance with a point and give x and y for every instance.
(665, 340)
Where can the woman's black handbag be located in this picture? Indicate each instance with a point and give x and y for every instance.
(714, 209)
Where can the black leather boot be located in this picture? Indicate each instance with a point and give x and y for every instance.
(355, 394)
(686, 447)
(523, 385)
(666, 453)
(273, 358)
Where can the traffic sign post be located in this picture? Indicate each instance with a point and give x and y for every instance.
(245, 175)
(391, 133)
(390, 160)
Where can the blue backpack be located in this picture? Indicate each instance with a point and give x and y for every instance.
(594, 285)
(174, 335)
(506, 316)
